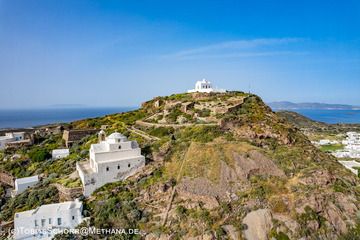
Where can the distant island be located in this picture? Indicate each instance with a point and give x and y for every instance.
(285, 105)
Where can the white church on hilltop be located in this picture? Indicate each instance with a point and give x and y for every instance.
(204, 86)
(113, 159)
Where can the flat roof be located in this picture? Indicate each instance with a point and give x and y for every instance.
(59, 151)
(27, 179)
(51, 208)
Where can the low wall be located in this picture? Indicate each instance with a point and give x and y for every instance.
(68, 194)
(7, 179)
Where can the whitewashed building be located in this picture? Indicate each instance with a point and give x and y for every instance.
(351, 165)
(21, 184)
(113, 159)
(47, 220)
(60, 153)
(204, 86)
(11, 137)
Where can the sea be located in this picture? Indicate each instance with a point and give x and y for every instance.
(331, 116)
(26, 118)
(36, 117)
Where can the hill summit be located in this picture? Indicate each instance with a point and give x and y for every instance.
(227, 165)
(219, 166)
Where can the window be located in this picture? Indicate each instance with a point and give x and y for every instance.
(43, 222)
(49, 220)
(73, 217)
(36, 223)
(59, 221)
(118, 166)
(129, 165)
(107, 169)
(119, 147)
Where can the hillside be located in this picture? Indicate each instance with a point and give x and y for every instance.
(219, 166)
(308, 124)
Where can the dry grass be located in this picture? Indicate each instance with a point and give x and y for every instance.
(204, 159)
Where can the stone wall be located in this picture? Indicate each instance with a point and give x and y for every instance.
(71, 136)
(68, 194)
(7, 179)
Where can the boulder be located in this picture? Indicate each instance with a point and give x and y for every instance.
(259, 224)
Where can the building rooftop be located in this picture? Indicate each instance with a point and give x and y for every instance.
(51, 208)
(27, 180)
(60, 151)
(116, 135)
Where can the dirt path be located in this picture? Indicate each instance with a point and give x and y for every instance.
(147, 124)
(142, 134)
(171, 198)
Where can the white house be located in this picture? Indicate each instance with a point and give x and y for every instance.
(11, 137)
(204, 86)
(113, 159)
(21, 184)
(60, 153)
(47, 220)
(351, 165)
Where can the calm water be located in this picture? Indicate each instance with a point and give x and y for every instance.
(35, 117)
(331, 116)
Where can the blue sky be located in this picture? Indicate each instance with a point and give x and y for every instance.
(120, 53)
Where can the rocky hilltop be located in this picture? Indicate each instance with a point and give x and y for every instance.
(219, 166)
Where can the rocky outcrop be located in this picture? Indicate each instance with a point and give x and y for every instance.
(255, 163)
(259, 224)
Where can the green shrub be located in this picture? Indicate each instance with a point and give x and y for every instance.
(39, 154)
(161, 132)
(29, 199)
(201, 134)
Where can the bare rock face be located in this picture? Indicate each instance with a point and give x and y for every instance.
(201, 190)
(258, 223)
(255, 163)
(334, 217)
(231, 232)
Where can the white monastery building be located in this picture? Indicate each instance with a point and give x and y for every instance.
(113, 159)
(47, 220)
(21, 184)
(11, 137)
(60, 153)
(205, 86)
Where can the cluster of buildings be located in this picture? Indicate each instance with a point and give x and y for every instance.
(324, 142)
(112, 159)
(14, 139)
(204, 86)
(351, 150)
(352, 146)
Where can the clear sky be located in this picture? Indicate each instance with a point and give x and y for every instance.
(120, 53)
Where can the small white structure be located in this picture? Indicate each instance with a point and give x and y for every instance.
(47, 220)
(351, 165)
(21, 184)
(60, 153)
(204, 86)
(113, 159)
(11, 137)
